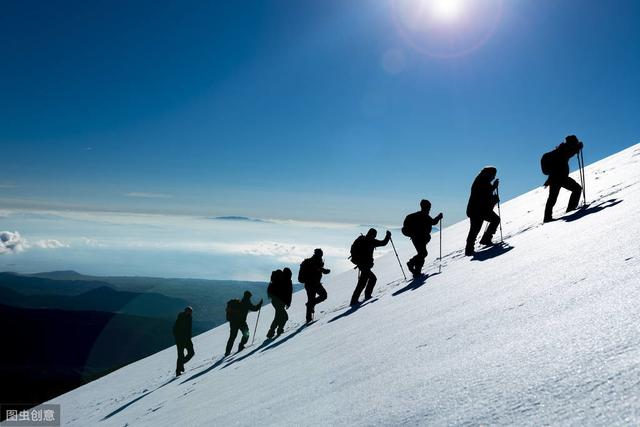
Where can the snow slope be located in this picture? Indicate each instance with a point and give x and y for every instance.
(543, 332)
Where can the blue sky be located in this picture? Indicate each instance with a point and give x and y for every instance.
(335, 111)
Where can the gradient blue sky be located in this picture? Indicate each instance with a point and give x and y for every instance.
(310, 110)
(285, 109)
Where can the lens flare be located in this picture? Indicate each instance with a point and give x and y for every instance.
(446, 28)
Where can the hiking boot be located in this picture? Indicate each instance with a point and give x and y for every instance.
(486, 241)
(410, 266)
(417, 271)
(309, 312)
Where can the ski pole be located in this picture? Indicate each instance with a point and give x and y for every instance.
(256, 328)
(499, 214)
(584, 190)
(580, 169)
(398, 258)
(440, 266)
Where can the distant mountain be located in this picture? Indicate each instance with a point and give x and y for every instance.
(54, 351)
(103, 298)
(40, 285)
(59, 275)
(237, 218)
(207, 297)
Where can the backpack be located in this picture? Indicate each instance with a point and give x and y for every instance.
(358, 250)
(276, 281)
(303, 273)
(409, 225)
(233, 306)
(546, 162)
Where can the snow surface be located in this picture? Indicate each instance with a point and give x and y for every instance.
(543, 332)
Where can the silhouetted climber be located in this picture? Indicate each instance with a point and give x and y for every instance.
(362, 256)
(418, 226)
(310, 274)
(182, 335)
(237, 311)
(280, 291)
(480, 208)
(555, 164)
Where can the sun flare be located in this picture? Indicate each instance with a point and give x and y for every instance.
(445, 10)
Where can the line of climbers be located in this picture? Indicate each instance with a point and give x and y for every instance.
(417, 226)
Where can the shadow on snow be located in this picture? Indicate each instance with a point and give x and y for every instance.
(590, 209)
(210, 368)
(352, 310)
(126, 405)
(492, 252)
(288, 337)
(415, 283)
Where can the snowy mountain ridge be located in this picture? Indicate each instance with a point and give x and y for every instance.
(542, 331)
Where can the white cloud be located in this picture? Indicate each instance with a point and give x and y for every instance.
(91, 242)
(284, 252)
(12, 242)
(143, 195)
(50, 244)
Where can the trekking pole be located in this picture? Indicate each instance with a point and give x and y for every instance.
(584, 190)
(499, 214)
(580, 169)
(398, 258)
(256, 328)
(440, 266)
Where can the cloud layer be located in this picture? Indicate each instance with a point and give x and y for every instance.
(50, 244)
(143, 195)
(13, 242)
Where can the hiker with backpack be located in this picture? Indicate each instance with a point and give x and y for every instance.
(555, 164)
(182, 334)
(418, 226)
(362, 256)
(237, 311)
(280, 291)
(310, 274)
(480, 209)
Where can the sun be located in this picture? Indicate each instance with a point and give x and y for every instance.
(445, 10)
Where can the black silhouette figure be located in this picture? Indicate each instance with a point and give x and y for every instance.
(362, 256)
(182, 335)
(310, 274)
(280, 291)
(480, 208)
(418, 226)
(237, 311)
(555, 164)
